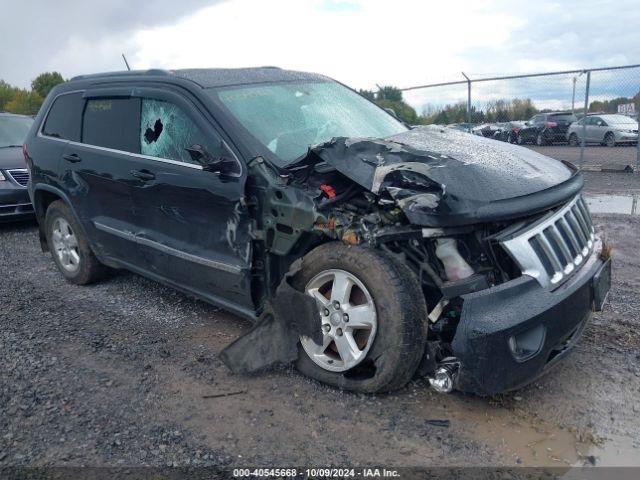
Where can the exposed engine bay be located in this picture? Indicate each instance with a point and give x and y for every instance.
(386, 195)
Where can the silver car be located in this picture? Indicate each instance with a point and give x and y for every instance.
(609, 130)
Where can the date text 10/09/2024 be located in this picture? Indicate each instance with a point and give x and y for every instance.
(316, 472)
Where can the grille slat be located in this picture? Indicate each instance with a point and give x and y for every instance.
(19, 175)
(573, 240)
(551, 249)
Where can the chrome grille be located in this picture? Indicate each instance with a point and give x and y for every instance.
(19, 175)
(551, 249)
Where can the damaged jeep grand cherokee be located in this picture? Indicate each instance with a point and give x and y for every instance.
(364, 251)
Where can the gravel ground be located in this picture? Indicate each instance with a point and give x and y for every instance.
(125, 372)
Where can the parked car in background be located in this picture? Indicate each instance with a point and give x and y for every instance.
(463, 127)
(605, 129)
(485, 129)
(508, 131)
(14, 199)
(546, 128)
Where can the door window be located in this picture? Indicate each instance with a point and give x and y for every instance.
(166, 132)
(64, 118)
(112, 123)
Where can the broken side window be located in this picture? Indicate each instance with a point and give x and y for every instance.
(166, 132)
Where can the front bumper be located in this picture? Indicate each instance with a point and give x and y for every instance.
(624, 137)
(548, 323)
(15, 203)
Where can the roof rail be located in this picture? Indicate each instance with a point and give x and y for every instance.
(151, 71)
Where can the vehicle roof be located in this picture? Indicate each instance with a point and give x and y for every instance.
(213, 77)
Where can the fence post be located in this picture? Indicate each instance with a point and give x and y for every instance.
(584, 123)
(638, 141)
(468, 100)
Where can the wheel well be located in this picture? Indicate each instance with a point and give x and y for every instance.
(41, 201)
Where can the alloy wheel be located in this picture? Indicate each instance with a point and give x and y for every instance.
(348, 320)
(65, 245)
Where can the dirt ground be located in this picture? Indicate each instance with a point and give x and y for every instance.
(126, 372)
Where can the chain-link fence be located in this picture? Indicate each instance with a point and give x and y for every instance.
(546, 111)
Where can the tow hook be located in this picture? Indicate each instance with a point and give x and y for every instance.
(445, 375)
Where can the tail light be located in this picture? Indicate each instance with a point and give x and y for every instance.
(24, 151)
(550, 124)
(516, 130)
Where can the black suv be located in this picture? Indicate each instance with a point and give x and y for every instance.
(14, 176)
(546, 128)
(365, 251)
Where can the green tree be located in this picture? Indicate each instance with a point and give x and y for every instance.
(403, 111)
(44, 82)
(369, 94)
(390, 93)
(25, 102)
(7, 92)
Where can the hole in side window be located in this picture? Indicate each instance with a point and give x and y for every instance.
(64, 118)
(112, 123)
(166, 131)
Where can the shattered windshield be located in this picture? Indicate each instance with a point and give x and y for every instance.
(288, 118)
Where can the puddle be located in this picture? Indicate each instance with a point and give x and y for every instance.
(530, 441)
(625, 204)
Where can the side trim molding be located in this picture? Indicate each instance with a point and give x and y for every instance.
(168, 250)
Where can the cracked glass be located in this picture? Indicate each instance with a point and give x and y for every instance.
(166, 132)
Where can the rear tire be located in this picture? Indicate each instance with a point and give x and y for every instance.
(519, 139)
(69, 247)
(573, 140)
(540, 140)
(400, 316)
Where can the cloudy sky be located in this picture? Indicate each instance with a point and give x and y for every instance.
(359, 42)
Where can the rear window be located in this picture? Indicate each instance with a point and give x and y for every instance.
(563, 117)
(64, 117)
(112, 123)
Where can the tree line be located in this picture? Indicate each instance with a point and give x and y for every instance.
(27, 101)
(500, 110)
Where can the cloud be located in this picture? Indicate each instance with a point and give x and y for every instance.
(77, 36)
(359, 42)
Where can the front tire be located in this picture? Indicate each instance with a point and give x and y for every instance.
(374, 336)
(610, 140)
(69, 247)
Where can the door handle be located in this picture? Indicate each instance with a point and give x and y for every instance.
(143, 175)
(72, 157)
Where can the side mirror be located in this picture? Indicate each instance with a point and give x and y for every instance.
(209, 163)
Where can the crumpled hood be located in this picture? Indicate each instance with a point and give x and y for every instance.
(441, 176)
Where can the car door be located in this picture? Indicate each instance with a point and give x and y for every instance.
(97, 173)
(600, 129)
(194, 226)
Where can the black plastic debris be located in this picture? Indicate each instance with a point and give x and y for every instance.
(274, 338)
